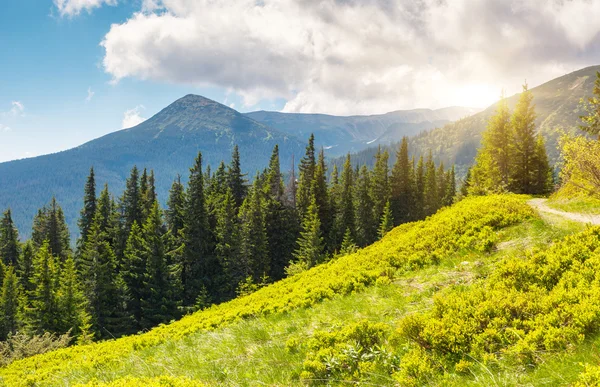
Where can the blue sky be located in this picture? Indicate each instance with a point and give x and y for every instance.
(74, 70)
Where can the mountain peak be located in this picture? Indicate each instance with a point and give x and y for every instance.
(197, 101)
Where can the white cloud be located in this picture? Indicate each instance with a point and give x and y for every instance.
(72, 8)
(356, 56)
(4, 128)
(17, 109)
(133, 117)
(90, 95)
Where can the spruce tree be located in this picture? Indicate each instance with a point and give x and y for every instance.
(386, 223)
(336, 234)
(450, 192)
(25, 268)
(133, 270)
(131, 204)
(175, 212)
(253, 236)
(348, 246)
(9, 240)
(419, 207)
(228, 247)
(442, 185)
(523, 145)
(310, 244)
(43, 314)
(9, 304)
(543, 178)
(158, 301)
(319, 190)
(380, 187)
(307, 168)
(199, 264)
(402, 186)
(236, 179)
(50, 225)
(430, 193)
(366, 223)
(89, 208)
(346, 215)
(71, 301)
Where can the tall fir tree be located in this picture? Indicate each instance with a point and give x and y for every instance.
(307, 167)
(10, 320)
(50, 225)
(366, 223)
(523, 144)
(253, 235)
(133, 269)
(419, 207)
(346, 214)
(543, 178)
(158, 303)
(131, 204)
(310, 244)
(380, 187)
(9, 240)
(43, 313)
(71, 302)
(25, 268)
(321, 194)
(442, 184)
(199, 263)
(88, 211)
(336, 235)
(236, 179)
(175, 212)
(430, 193)
(402, 186)
(228, 247)
(450, 192)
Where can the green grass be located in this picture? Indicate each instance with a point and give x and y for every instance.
(253, 352)
(581, 204)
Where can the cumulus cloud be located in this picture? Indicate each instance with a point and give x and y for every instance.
(90, 95)
(4, 128)
(72, 8)
(356, 56)
(133, 117)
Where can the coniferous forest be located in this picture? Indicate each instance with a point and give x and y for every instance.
(221, 235)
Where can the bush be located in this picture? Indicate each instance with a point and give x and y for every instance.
(19, 346)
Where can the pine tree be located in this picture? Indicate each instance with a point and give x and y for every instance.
(199, 264)
(132, 272)
(348, 246)
(442, 185)
(307, 168)
(366, 224)
(228, 243)
(387, 221)
(9, 304)
(235, 178)
(319, 190)
(9, 240)
(281, 222)
(43, 314)
(71, 301)
(50, 225)
(380, 187)
(430, 193)
(523, 145)
(25, 268)
(310, 244)
(336, 234)
(403, 186)
(419, 207)
(158, 301)
(89, 208)
(131, 204)
(175, 213)
(346, 215)
(543, 178)
(466, 184)
(450, 192)
(253, 236)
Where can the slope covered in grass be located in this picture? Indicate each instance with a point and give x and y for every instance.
(469, 225)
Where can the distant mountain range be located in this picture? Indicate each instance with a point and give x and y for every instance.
(340, 135)
(169, 141)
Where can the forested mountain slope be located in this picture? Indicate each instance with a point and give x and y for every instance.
(168, 143)
(556, 104)
(340, 135)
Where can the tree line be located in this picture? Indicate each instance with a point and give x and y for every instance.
(136, 265)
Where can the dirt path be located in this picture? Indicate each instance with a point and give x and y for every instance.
(540, 205)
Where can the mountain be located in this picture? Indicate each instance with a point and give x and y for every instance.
(556, 104)
(340, 135)
(168, 143)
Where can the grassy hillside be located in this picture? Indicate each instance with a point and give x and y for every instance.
(483, 293)
(468, 226)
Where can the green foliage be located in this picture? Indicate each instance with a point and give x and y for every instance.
(404, 248)
(590, 122)
(387, 221)
(49, 226)
(402, 186)
(86, 216)
(9, 240)
(351, 354)
(581, 168)
(310, 244)
(160, 381)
